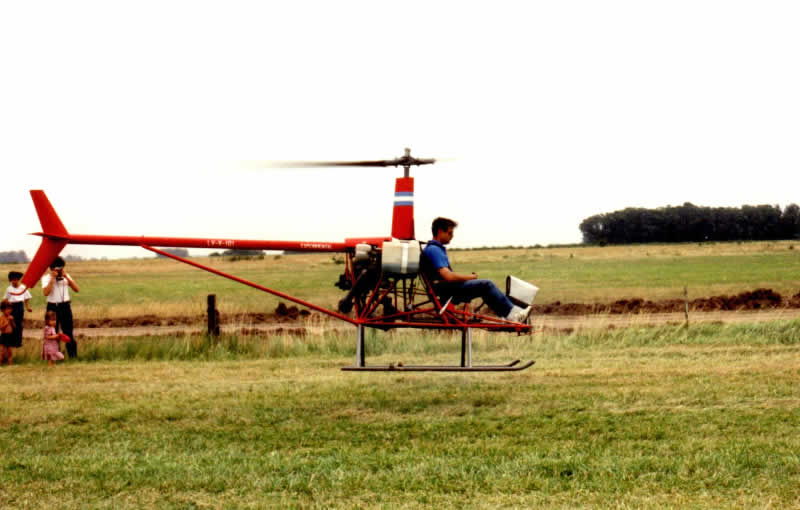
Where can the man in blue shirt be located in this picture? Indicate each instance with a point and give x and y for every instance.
(463, 287)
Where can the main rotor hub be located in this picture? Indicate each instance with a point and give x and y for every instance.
(407, 162)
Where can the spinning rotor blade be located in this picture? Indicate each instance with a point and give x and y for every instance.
(317, 164)
(406, 161)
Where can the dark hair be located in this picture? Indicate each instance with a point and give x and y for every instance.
(57, 262)
(50, 315)
(14, 275)
(442, 224)
(5, 304)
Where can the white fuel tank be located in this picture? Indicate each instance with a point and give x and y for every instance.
(400, 257)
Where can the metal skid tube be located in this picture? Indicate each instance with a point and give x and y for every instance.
(511, 367)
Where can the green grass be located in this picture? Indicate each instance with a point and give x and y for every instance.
(662, 417)
(640, 417)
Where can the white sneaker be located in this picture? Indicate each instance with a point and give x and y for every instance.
(518, 314)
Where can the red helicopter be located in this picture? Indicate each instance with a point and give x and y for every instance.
(384, 287)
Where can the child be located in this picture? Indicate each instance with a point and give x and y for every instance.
(50, 351)
(20, 300)
(7, 328)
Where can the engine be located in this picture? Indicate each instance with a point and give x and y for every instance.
(366, 271)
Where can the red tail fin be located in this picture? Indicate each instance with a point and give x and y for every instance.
(51, 224)
(54, 238)
(403, 213)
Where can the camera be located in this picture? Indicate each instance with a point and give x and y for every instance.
(59, 273)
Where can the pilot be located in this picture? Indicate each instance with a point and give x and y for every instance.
(463, 287)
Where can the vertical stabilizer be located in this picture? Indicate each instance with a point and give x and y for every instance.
(403, 214)
(54, 238)
(51, 224)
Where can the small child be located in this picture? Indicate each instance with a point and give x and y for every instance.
(20, 300)
(50, 351)
(7, 328)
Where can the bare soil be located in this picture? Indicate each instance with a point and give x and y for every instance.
(756, 305)
(759, 299)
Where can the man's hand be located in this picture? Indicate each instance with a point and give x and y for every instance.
(449, 276)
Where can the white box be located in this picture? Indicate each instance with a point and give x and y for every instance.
(400, 257)
(520, 292)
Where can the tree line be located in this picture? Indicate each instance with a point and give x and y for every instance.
(13, 257)
(691, 223)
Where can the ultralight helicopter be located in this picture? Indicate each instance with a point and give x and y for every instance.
(383, 284)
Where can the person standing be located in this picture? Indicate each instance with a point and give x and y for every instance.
(50, 351)
(56, 286)
(7, 328)
(20, 300)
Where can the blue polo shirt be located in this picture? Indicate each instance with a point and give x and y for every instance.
(435, 258)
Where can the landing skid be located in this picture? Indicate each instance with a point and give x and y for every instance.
(514, 366)
(465, 366)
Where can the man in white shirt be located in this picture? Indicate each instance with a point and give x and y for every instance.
(56, 285)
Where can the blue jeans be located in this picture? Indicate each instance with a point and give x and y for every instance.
(462, 292)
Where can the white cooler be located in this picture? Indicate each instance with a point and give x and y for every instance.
(520, 292)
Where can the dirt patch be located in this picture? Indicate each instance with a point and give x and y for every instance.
(281, 314)
(291, 312)
(759, 299)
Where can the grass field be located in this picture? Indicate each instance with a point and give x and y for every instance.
(576, 274)
(666, 417)
(639, 417)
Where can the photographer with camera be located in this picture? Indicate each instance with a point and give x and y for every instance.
(56, 285)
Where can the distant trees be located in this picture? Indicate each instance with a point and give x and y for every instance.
(236, 254)
(690, 223)
(13, 257)
(178, 252)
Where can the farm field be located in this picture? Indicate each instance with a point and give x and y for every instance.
(165, 288)
(665, 417)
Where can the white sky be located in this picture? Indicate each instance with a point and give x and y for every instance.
(135, 117)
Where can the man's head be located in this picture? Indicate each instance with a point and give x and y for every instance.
(442, 229)
(14, 277)
(57, 263)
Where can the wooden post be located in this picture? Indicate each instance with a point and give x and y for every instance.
(213, 316)
(686, 304)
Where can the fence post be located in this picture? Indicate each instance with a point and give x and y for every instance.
(213, 316)
(686, 304)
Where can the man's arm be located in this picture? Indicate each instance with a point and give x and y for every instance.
(450, 276)
(71, 282)
(48, 287)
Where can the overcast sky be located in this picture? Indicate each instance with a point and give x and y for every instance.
(140, 117)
